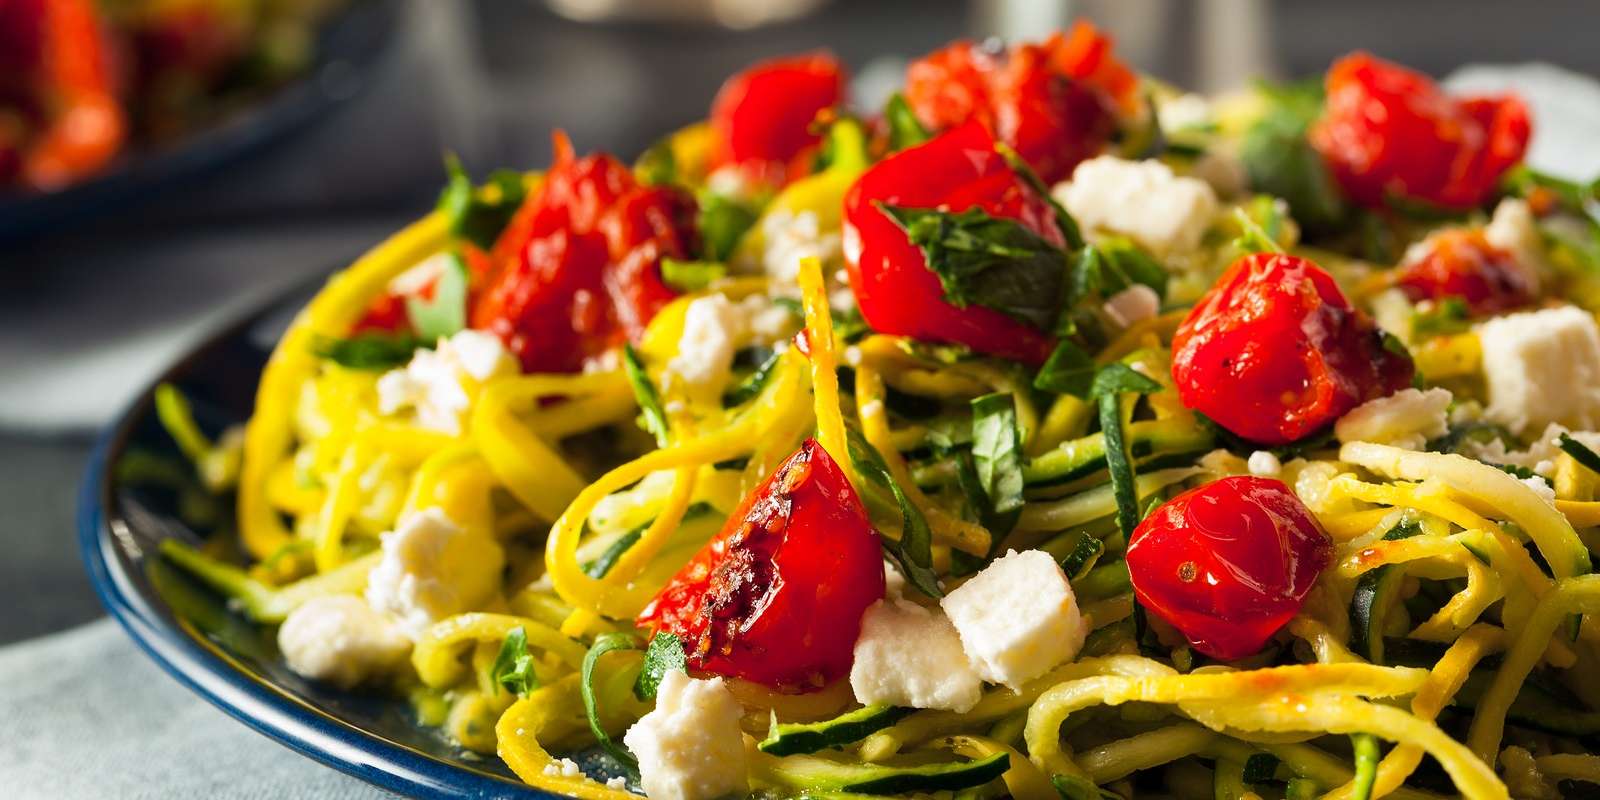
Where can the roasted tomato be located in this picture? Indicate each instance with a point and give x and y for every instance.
(1274, 352)
(777, 596)
(763, 116)
(1462, 263)
(56, 73)
(1387, 131)
(1056, 103)
(896, 290)
(578, 269)
(1228, 563)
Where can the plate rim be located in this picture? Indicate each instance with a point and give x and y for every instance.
(259, 704)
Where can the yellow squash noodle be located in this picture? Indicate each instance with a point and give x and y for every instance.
(437, 655)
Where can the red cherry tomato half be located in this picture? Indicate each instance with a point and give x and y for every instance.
(1462, 263)
(777, 596)
(897, 292)
(1274, 351)
(1055, 103)
(1389, 131)
(578, 269)
(1228, 563)
(763, 116)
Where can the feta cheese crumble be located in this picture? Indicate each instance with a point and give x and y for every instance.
(439, 384)
(714, 328)
(339, 639)
(564, 768)
(1017, 618)
(1264, 464)
(910, 656)
(1512, 229)
(1541, 487)
(1406, 419)
(1143, 200)
(1542, 367)
(1133, 304)
(690, 747)
(431, 569)
(791, 236)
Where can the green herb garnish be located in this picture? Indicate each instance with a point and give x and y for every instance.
(1110, 384)
(479, 214)
(604, 643)
(914, 551)
(654, 416)
(513, 667)
(374, 351)
(664, 654)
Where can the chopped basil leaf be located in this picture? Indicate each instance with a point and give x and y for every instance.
(723, 222)
(654, 416)
(1064, 221)
(752, 385)
(691, 276)
(988, 261)
(475, 214)
(513, 667)
(913, 553)
(376, 351)
(657, 166)
(1580, 452)
(997, 455)
(664, 654)
(1069, 370)
(1111, 382)
(1281, 161)
(905, 130)
(445, 314)
(1447, 316)
(603, 563)
(605, 643)
(1111, 266)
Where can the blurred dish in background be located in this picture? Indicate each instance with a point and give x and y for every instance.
(102, 97)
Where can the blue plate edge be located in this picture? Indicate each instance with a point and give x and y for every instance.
(258, 705)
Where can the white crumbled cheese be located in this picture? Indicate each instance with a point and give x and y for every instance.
(894, 583)
(1541, 487)
(791, 236)
(339, 639)
(563, 768)
(714, 328)
(431, 569)
(1408, 419)
(619, 783)
(1017, 618)
(1512, 229)
(690, 747)
(1540, 456)
(1542, 367)
(1264, 464)
(1133, 304)
(439, 384)
(1142, 200)
(910, 656)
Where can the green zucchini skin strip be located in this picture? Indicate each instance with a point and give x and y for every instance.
(1077, 458)
(788, 739)
(812, 774)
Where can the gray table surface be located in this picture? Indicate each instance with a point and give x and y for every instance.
(88, 314)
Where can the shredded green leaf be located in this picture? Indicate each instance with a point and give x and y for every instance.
(723, 222)
(1064, 221)
(605, 643)
(664, 654)
(1447, 316)
(913, 553)
(997, 455)
(988, 261)
(1281, 161)
(654, 416)
(374, 351)
(905, 130)
(513, 667)
(1111, 382)
(475, 214)
(1069, 370)
(1254, 238)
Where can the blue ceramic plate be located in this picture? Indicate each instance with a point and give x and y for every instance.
(139, 490)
